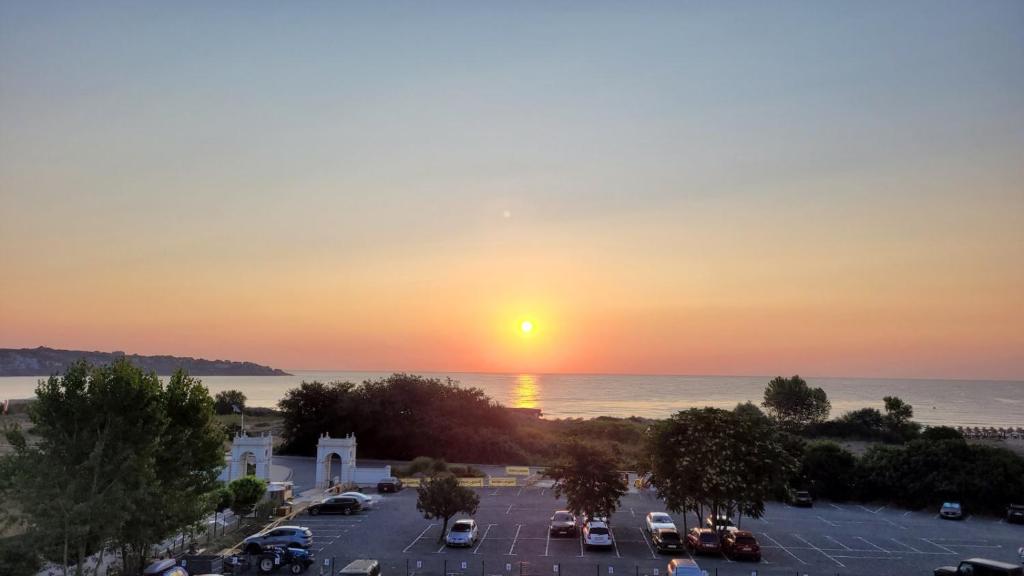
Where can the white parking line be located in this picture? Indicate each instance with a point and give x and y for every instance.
(826, 554)
(514, 540)
(906, 546)
(542, 491)
(520, 493)
(907, 513)
(845, 547)
(893, 524)
(547, 542)
(441, 550)
(581, 544)
(615, 541)
(835, 506)
(632, 513)
(784, 549)
(938, 546)
(864, 540)
(646, 541)
(481, 543)
(509, 509)
(413, 543)
(829, 522)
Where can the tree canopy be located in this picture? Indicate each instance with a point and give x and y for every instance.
(226, 400)
(121, 461)
(442, 497)
(794, 404)
(588, 477)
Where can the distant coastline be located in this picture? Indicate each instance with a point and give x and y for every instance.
(44, 361)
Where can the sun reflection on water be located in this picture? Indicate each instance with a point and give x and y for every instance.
(526, 393)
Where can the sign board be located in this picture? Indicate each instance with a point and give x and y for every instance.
(419, 564)
(496, 481)
(508, 567)
(463, 564)
(655, 573)
(411, 482)
(555, 568)
(517, 470)
(611, 569)
(327, 561)
(753, 573)
(472, 482)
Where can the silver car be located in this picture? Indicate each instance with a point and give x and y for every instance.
(463, 533)
(951, 511)
(287, 536)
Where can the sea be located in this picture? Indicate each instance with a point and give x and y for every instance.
(936, 402)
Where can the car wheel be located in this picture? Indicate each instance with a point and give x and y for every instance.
(314, 511)
(345, 511)
(296, 568)
(266, 565)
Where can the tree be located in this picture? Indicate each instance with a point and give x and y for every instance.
(936, 433)
(442, 497)
(897, 418)
(589, 479)
(121, 461)
(225, 401)
(795, 405)
(246, 492)
(222, 499)
(829, 470)
(722, 461)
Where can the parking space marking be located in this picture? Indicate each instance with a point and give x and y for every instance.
(893, 524)
(829, 522)
(413, 543)
(906, 546)
(907, 513)
(646, 541)
(865, 540)
(845, 547)
(581, 545)
(826, 554)
(480, 543)
(784, 549)
(938, 546)
(441, 550)
(520, 493)
(547, 543)
(514, 540)
(615, 541)
(836, 507)
(870, 557)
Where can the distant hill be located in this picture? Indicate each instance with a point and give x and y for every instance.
(46, 361)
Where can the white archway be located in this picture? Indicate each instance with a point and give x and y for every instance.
(262, 450)
(345, 450)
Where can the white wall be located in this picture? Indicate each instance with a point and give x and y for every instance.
(364, 476)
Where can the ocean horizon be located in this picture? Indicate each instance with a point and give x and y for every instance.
(996, 403)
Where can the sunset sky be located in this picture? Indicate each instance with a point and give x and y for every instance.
(691, 188)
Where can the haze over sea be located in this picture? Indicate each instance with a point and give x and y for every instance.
(949, 402)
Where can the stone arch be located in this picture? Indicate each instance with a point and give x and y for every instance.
(262, 450)
(345, 450)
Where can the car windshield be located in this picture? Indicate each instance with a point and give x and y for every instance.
(661, 519)
(461, 527)
(950, 505)
(600, 530)
(563, 517)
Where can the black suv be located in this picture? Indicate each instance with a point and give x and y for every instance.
(563, 523)
(390, 484)
(336, 505)
(803, 499)
(1015, 513)
(980, 567)
(667, 540)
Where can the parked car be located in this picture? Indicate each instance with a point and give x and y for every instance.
(951, 511)
(803, 499)
(361, 568)
(657, 520)
(722, 522)
(741, 544)
(1015, 513)
(980, 567)
(703, 541)
(683, 567)
(389, 484)
(297, 560)
(336, 505)
(666, 540)
(563, 523)
(597, 533)
(364, 499)
(464, 532)
(289, 536)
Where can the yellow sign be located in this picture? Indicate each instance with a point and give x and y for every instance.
(472, 482)
(495, 482)
(410, 482)
(517, 470)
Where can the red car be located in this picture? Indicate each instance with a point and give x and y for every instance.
(703, 541)
(741, 544)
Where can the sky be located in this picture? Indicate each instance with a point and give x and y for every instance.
(823, 188)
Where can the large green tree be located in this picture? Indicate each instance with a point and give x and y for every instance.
(246, 492)
(118, 460)
(226, 400)
(828, 469)
(588, 476)
(442, 497)
(794, 404)
(717, 461)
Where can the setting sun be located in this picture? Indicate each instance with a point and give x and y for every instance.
(526, 327)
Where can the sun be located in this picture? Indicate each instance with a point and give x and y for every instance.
(526, 327)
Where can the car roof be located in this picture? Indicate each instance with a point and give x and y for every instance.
(666, 531)
(992, 563)
(465, 521)
(595, 522)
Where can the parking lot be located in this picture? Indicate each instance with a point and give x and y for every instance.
(846, 539)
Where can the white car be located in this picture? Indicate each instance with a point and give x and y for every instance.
(658, 520)
(364, 499)
(597, 533)
(462, 533)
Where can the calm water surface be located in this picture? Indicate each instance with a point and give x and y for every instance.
(954, 402)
